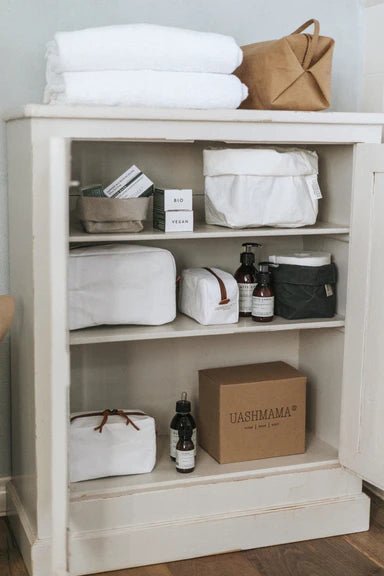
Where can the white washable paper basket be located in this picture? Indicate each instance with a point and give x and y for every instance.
(111, 443)
(209, 296)
(248, 188)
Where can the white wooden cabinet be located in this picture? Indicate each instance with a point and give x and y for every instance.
(114, 523)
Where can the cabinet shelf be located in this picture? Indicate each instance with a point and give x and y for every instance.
(164, 475)
(184, 327)
(203, 230)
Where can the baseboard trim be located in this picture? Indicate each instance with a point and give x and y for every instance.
(35, 553)
(96, 551)
(3, 494)
(103, 551)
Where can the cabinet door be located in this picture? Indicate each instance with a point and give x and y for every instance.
(362, 417)
(59, 351)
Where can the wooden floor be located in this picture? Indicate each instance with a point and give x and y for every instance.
(355, 555)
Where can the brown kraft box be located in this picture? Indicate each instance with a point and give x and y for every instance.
(251, 412)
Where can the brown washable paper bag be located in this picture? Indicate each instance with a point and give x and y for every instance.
(292, 73)
(111, 215)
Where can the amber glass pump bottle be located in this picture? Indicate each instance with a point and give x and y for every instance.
(245, 277)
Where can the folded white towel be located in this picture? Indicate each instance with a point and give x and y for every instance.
(146, 88)
(143, 47)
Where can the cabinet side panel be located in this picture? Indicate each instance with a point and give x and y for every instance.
(22, 340)
(362, 415)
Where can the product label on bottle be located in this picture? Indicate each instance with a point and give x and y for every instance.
(185, 460)
(263, 306)
(245, 297)
(174, 438)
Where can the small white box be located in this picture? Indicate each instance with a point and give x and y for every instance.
(174, 221)
(173, 199)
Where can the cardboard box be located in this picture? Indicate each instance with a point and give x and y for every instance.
(174, 221)
(132, 184)
(251, 412)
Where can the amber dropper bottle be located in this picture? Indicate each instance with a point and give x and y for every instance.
(185, 448)
(183, 409)
(263, 300)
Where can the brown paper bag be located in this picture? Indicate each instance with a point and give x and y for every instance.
(112, 215)
(7, 308)
(293, 73)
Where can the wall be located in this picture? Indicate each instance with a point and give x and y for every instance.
(26, 26)
(373, 80)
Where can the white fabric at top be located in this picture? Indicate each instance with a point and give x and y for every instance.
(143, 47)
(301, 258)
(146, 88)
(261, 162)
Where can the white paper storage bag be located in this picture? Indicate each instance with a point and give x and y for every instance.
(209, 296)
(121, 284)
(261, 187)
(116, 448)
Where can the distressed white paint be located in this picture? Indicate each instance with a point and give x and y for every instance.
(317, 497)
(59, 363)
(202, 230)
(187, 539)
(363, 394)
(184, 327)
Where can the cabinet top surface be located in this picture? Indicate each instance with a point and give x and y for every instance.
(259, 116)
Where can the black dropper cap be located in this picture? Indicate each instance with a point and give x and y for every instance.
(263, 275)
(247, 257)
(183, 406)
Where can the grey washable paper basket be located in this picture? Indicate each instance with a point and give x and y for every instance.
(109, 215)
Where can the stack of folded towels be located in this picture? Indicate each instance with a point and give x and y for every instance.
(145, 66)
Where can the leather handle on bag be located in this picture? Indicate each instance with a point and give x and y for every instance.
(223, 291)
(313, 40)
(108, 412)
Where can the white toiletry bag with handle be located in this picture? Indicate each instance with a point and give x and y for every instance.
(111, 443)
(250, 187)
(209, 296)
(121, 284)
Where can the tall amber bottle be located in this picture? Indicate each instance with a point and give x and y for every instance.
(245, 277)
(263, 299)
